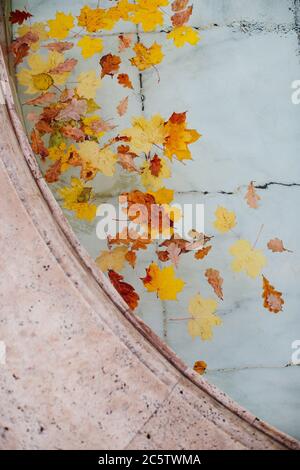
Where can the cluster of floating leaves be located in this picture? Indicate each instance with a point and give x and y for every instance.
(68, 132)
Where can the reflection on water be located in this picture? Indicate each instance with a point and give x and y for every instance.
(115, 99)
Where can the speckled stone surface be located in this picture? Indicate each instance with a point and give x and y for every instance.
(80, 371)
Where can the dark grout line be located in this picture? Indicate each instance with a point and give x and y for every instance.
(297, 21)
(142, 96)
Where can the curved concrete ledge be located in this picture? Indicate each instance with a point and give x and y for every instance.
(82, 372)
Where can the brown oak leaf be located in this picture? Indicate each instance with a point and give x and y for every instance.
(124, 80)
(53, 173)
(38, 145)
(252, 197)
(182, 17)
(123, 106)
(200, 254)
(125, 290)
(59, 46)
(19, 16)
(155, 165)
(200, 367)
(66, 66)
(215, 280)
(277, 246)
(273, 300)
(178, 5)
(110, 64)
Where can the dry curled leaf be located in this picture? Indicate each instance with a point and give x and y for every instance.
(123, 106)
(215, 280)
(125, 290)
(273, 300)
(110, 64)
(124, 80)
(252, 197)
(131, 258)
(200, 367)
(200, 254)
(155, 165)
(277, 246)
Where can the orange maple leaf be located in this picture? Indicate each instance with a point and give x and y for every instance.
(110, 64)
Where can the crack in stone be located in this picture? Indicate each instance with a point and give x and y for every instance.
(237, 369)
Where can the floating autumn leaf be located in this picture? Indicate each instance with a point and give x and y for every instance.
(273, 300)
(130, 238)
(247, 258)
(44, 98)
(147, 56)
(88, 83)
(163, 195)
(125, 290)
(37, 30)
(225, 219)
(110, 64)
(153, 173)
(126, 158)
(53, 172)
(59, 27)
(38, 145)
(73, 133)
(200, 254)
(200, 367)
(125, 41)
(95, 19)
(178, 5)
(216, 281)
(20, 47)
(124, 80)
(182, 17)
(183, 35)
(174, 251)
(38, 77)
(203, 318)
(112, 259)
(148, 14)
(163, 282)
(19, 16)
(66, 66)
(90, 46)
(73, 110)
(123, 106)
(59, 46)
(277, 246)
(145, 133)
(95, 159)
(252, 197)
(131, 258)
(77, 198)
(178, 137)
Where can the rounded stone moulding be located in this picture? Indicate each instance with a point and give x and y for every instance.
(81, 371)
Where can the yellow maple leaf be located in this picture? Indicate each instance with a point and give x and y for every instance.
(203, 317)
(112, 259)
(225, 219)
(94, 19)
(94, 158)
(90, 46)
(151, 182)
(144, 133)
(88, 83)
(163, 282)
(247, 259)
(60, 26)
(147, 56)
(183, 35)
(148, 14)
(178, 137)
(39, 77)
(163, 195)
(77, 198)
